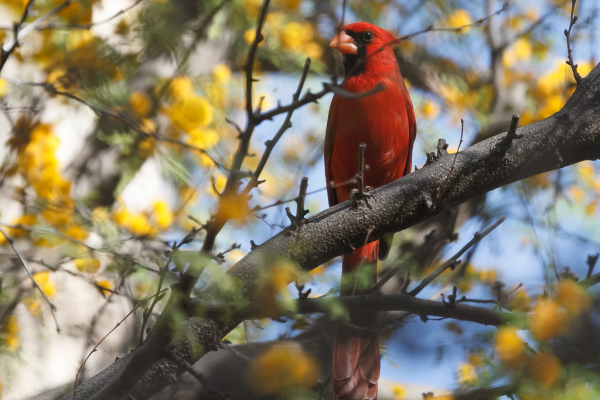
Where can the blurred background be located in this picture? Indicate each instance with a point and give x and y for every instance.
(93, 200)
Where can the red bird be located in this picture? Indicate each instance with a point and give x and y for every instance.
(385, 122)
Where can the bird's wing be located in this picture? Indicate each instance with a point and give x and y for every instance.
(328, 151)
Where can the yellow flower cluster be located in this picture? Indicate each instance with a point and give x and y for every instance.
(272, 292)
(40, 166)
(551, 317)
(509, 347)
(459, 18)
(89, 265)
(45, 283)
(399, 392)
(282, 367)
(552, 89)
(191, 115)
(299, 37)
(10, 333)
(466, 373)
(142, 223)
(544, 368)
(104, 284)
(2, 88)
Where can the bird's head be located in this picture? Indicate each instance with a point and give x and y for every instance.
(367, 43)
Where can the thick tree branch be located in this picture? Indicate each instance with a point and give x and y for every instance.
(567, 137)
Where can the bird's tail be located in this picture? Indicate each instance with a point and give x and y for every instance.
(356, 354)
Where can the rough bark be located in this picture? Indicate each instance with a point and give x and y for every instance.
(569, 136)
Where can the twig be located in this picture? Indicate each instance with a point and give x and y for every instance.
(511, 134)
(361, 169)
(80, 243)
(24, 263)
(300, 211)
(430, 28)
(123, 118)
(51, 25)
(258, 37)
(330, 186)
(462, 129)
(567, 33)
(591, 262)
(476, 238)
(270, 144)
(199, 34)
(78, 375)
(8, 48)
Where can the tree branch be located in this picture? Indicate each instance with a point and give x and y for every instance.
(571, 135)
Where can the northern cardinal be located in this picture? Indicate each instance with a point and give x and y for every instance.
(385, 122)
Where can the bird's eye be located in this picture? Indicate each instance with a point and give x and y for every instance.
(368, 36)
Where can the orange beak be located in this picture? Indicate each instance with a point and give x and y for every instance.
(344, 44)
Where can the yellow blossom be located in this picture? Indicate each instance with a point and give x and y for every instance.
(122, 217)
(203, 138)
(476, 360)
(522, 49)
(572, 297)
(162, 215)
(520, 301)
(488, 276)
(76, 232)
(272, 291)
(281, 367)
(222, 73)
(191, 112)
(510, 347)
(234, 207)
(140, 225)
(466, 373)
(181, 87)
(10, 333)
(313, 50)
(295, 34)
(140, 103)
(2, 88)
(33, 305)
(89, 265)
(104, 284)
(459, 18)
(576, 193)
(544, 368)
(430, 109)
(399, 392)
(547, 320)
(45, 283)
(146, 147)
(291, 4)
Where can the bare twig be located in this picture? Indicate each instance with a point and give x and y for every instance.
(511, 134)
(199, 34)
(78, 375)
(591, 262)
(567, 33)
(430, 28)
(300, 211)
(34, 283)
(10, 46)
(462, 129)
(476, 238)
(270, 144)
(52, 25)
(361, 169)
(126, 120)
